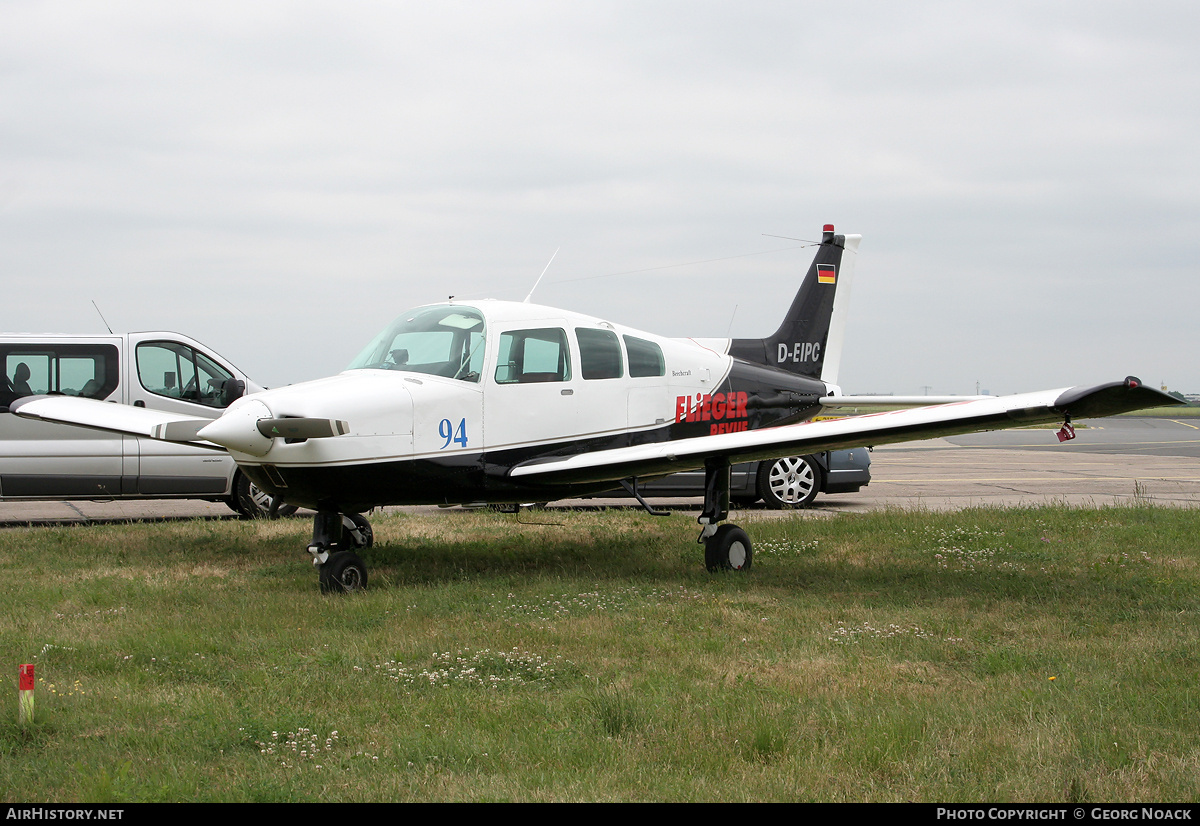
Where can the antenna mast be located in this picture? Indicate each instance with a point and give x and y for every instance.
(102, 318)
(539, 280)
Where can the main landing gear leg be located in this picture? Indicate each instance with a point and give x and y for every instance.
(335, 538)
(726, 547)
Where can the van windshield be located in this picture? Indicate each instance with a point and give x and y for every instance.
(442, 340)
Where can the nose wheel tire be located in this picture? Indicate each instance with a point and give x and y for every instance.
(728, 549)
(344, 572)
(336, 537)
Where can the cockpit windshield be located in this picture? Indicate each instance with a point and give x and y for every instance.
(443, 340)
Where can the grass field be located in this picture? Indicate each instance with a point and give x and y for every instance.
(1046, 654)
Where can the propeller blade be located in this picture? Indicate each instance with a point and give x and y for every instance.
(180, 431)
(300, 428)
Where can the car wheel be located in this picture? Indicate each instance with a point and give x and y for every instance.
(791, 482)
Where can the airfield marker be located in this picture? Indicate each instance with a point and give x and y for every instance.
(25, 694)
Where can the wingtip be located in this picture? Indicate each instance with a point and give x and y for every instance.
(1125, 396)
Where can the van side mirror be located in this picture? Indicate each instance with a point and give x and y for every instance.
(231, 391)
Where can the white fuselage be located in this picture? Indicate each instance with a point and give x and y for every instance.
(540, 381)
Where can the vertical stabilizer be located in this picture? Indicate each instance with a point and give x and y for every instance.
(809, 341)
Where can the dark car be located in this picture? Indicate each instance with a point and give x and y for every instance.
(792, 482)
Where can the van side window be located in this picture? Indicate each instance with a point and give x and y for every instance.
(645, 358)
(88, 370)
(599, 354)
(528, 356)
(176, 371)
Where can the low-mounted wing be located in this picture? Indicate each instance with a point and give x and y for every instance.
(114, 418)
(243, 428)
(989, 413)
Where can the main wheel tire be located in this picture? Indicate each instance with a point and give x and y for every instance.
(356, 531)
(791, 482)
(728, 549)
(343, 573)
(253, 502)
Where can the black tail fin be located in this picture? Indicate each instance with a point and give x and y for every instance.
(809, 341)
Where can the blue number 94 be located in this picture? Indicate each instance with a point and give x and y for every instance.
(448, 432)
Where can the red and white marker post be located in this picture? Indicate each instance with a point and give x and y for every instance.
(25, 694)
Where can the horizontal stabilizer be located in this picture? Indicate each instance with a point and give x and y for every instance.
(299, 428)
(988, 413)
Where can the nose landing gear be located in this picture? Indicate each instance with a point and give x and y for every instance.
(335, 538)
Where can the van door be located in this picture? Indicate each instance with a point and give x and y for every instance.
(175, 375)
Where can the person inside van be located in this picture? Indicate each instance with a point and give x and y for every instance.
(21, 380)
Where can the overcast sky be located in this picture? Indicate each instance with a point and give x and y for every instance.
(281, 179)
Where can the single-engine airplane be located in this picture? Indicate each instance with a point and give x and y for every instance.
(503, 402)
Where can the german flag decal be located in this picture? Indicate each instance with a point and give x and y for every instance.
(826, 274)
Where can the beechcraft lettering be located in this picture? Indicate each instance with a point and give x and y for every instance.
(800, 352)
(495, 402)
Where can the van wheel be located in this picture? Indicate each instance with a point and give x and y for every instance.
(791, 482)
(251, 502)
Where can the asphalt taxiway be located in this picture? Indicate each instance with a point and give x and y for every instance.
(1110, 461)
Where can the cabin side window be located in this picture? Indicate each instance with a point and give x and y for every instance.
(645, 358)
(88, 370)
(529, 356)
(599, 354)
(176, 371)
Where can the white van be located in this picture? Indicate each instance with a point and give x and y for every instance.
(167, 371)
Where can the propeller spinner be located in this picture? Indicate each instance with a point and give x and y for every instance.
(250, 428)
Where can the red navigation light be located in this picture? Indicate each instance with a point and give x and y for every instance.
(829, 228)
